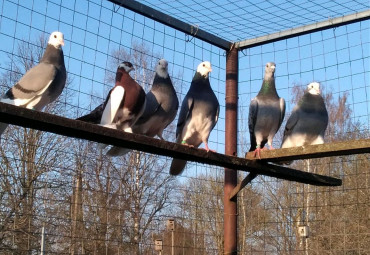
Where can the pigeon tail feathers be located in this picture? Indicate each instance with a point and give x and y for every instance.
(3, 126)
(177, 166)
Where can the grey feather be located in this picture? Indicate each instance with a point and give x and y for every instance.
(198, 115)
(266, 112)
(43, 83)
(308, 121)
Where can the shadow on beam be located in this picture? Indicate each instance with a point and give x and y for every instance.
(78, 129)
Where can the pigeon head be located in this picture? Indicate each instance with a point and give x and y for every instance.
(127, 66)
(162, 68)
(56, 39)
(269, 69)
(204, 68)
(314, 88)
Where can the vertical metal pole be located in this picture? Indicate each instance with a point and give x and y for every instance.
(173, 243)
(230, 206)
(42, 241)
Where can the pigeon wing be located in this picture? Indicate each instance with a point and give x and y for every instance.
(282, 111)
(291, 123)
(185, 112)
(252, 118)
(151, 108)
(34, 83)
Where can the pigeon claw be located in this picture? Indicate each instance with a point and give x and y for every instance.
(207, 148)
(257, 152)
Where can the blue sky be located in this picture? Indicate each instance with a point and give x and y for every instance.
(338, 58)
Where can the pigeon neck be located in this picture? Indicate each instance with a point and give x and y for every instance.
(120, 73)
(53, 55)
(268, 87)
(200, 78)
(160, 81)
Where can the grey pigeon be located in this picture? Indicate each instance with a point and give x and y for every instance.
(161, 106)
(198, 114)
(43, 83)
(266, 112)
(308, 121)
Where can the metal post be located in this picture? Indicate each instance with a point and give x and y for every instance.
(171, 227)
(230, 206)
(42, 241)
(173, 242)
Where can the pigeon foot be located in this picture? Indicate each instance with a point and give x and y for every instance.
(257, 152)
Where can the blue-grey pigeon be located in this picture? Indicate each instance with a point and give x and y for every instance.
(161, 104)
(308, 121)
(266, 112)
(43, 83)
(198, 114)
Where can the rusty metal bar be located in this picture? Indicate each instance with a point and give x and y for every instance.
(315, 151)
(231, 177)
(78, 129)
(192, 30)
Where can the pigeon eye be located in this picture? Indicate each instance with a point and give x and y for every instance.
(55, 36)
(204, 65)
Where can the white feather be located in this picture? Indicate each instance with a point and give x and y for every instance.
(112, 106)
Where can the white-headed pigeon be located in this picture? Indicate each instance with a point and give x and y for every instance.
(198, 114)
(43, 83)
(308, 121)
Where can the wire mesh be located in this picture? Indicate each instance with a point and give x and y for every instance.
(338, 59)
(89, 203)
(240, 20)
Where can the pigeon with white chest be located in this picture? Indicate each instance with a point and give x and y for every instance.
(308, 121)
(266, 112)
(43, 83)
(124, 105)
(198, 114)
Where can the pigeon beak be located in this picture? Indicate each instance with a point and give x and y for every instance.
(61, 42)
(210, 70)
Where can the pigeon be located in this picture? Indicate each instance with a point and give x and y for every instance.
(161, 107)
(43, 83)
(308, 121)
(198, 115)
(122, 108)
(266, 112)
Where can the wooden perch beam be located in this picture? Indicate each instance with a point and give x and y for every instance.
(315, 151)
(78, 129)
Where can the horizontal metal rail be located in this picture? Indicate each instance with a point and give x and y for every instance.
(78, 129)
(177, 24)
(330, 23)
